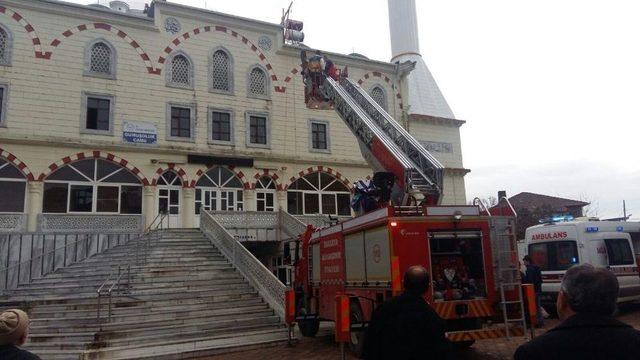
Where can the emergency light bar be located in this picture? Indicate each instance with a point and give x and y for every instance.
(556, 218)
(591, 229)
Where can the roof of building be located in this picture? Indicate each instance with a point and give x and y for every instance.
(528, 200)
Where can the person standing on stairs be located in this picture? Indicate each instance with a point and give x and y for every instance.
(14, 330)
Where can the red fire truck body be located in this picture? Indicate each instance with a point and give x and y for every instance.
(365, 258)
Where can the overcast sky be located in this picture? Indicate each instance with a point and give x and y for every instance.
(549, 88)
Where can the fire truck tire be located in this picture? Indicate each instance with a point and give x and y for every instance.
(309, 327)
(356, 345)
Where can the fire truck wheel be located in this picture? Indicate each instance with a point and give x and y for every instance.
(356, 345)
(309, 327)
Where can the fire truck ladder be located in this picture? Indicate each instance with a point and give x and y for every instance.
(423, 173)
(507, 271)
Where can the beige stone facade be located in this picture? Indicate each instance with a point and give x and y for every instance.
(47, 79)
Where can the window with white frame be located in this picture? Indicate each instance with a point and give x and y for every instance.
(265, 194)
(319, 135)
(100, 59)
(92, 186)
(4, 94)
(221, 71)
(169, 186)
(180, 72)
(220, 126)
(13, 185)
(97, 114)
(180, 122)
(318, 193)
(219, 189)
(258, 83)
(6, 46)
(379, 95)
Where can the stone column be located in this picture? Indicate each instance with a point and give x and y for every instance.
(149, 204)
(188, 207)
(35, 190)
(249, 199)
(281, 200)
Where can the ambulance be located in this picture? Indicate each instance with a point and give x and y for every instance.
(556, 246)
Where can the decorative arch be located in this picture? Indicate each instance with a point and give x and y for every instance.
(31, 32)
(239, 174)
(95, 155)
(222, 29)
(270, 174)
(267, 84)
(8, 46)
(113, 58)
(230, 65)
(18, 163)
(386, 79)
(181, 173)
(112, 29)
(315, 169)
(385, 95)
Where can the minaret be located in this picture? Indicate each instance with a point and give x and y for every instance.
(430, 119)
(424, 96)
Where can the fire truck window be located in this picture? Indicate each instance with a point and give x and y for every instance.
(554, 256)
(619, 252)
(457, 266)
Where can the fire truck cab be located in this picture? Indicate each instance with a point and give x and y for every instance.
(470, 258)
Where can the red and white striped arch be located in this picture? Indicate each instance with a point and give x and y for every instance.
(225, 30)
(315, 169)
(18, 163)
(181, 173)
(94, 155)
(239, 174)
(31, 31)
(112, 29)
(269, 174)
(386, 79)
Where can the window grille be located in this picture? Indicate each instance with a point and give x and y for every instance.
(181, 71)
(258, 82)
(4, 47)
(101, 59)
(379, 96)
(220, 68)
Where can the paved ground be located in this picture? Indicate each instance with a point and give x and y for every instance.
(322, 347)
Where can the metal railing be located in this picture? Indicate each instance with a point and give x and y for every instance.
(30, 256)
(113, 283)
(267, 284)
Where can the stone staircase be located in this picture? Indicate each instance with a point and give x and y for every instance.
(185, 301)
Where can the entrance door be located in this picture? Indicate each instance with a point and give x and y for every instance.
(169, 203)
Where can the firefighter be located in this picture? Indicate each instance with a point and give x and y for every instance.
(406, 327)
(586, 303)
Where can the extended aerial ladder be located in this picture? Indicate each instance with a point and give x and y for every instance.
(386, 145)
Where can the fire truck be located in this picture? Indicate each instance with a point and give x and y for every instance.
(471, 256)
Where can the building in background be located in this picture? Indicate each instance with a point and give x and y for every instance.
(110, 116)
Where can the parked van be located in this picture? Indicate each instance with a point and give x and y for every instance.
(557, 246)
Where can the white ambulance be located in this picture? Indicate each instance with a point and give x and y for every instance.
(557, 246)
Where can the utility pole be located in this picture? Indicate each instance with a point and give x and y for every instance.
(624, 210)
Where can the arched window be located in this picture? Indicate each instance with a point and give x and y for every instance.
(318, 193)
(12, 188)
(258, 83)
(221, 72)
(92, 186)
(180, 72)
(265, 194)
(100, 59)
(6, 46)
(169, 188)
(219, 189)
(379, 95)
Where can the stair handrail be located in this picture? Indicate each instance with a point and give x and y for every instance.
(115, 284)
(67, 260)
(268, 285)
(480, 204)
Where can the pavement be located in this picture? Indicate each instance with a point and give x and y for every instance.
(322, 347)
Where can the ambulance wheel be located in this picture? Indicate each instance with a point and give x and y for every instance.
(356, 345)
(463, 345)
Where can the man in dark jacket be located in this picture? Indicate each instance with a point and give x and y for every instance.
(406, 327)
(14, 329)
(586, 303)
(533, 275)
